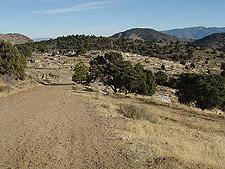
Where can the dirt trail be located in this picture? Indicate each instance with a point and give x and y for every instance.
(49, 127)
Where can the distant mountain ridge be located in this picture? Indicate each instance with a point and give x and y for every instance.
(194, 32)
(15, 38)
(146, 34)
(40, 39)
(216, 41)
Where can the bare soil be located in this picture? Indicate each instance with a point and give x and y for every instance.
(61, 125)
(50, 127)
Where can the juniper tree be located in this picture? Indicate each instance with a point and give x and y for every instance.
(205, 91)
(80, 73)
(11, 61)
(120, 75)
(161, 78)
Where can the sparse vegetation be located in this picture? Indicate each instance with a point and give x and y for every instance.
(182, 137)
(80, 44)
(174, 136)
(215, 41)
(160, 134)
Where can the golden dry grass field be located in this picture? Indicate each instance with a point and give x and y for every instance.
(164, 135)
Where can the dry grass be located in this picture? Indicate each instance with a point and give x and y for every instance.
(10, 79)
(173, 134)
(6, 83)
(152, 100)
(6, 88)
(133, 112)
(185, 137)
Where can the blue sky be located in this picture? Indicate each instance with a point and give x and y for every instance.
(53, 18)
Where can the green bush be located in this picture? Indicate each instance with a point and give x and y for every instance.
(222, 55)
(163, 67)
(192, 65)
(222, 73)
(161, 78)
(172, 83)
(182, 62)
(80, 73)
(214, 51)
(144, 81)
(222, 66)
(207, 61)
(25, 50)
(205, 91)
(81, 50)
(11, 61)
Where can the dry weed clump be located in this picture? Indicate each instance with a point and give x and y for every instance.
(77, 87)
(136, 112)
(6, 88)
(8, 79)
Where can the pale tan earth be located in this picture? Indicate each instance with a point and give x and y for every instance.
(51, 127)
(62, 125)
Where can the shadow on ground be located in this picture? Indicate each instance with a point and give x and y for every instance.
(59, 84)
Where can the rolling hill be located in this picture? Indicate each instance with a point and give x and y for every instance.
(216, 41)
(15, 38)
(194, 32)
(146, 34)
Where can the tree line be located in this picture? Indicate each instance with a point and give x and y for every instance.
(80, 44)
(206, 91)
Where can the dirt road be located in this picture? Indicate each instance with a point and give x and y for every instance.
(49, 127)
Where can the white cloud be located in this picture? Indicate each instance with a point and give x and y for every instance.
(81, 7)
